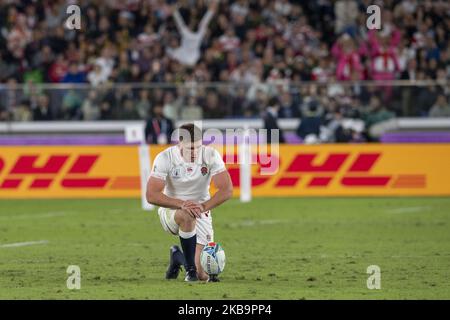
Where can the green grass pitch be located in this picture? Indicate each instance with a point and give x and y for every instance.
(277, 248)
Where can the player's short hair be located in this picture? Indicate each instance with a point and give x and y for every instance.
(189, 132)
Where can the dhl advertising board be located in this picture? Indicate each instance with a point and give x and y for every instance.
(301, 170)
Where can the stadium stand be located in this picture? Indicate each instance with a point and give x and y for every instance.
(310, 60)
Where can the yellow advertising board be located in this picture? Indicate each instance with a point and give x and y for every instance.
(303, 170)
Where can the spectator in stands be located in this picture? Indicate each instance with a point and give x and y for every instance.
(103, 66)
(106, 110)
(4, 114)
(158, 129)
(270, 116)
(191, 111)
(250, 42)
(255, 106)
(7, 70)
(71, 105)
(322, 72)
(42, 110)
(12, 95)
(424, 97)
(287, 107)
(239, 102)
(384, 59)
(346, 12)
(348, 58)
(97, 76)
(441, 108)
(311, 120)
(213, 108)
(128, 111)
(90, 108)
(411, 70)
(229, 41)
(336, 129)
(143, 105)
(376, 112)
(22, 112)
(58, 69)
(19, 37)
(189, 51)
(74, 75)
(172, 106)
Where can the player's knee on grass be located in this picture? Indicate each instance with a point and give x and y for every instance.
(184, 220)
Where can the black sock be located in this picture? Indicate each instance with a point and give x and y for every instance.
(189, 246)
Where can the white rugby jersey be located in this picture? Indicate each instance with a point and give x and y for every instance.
(187, 180)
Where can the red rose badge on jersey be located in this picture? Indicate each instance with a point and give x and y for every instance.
(204, 170)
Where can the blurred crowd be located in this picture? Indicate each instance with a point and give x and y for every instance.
(262, 50)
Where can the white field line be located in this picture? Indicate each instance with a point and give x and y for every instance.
(23, 244)
(37, 216)
(407, 210)
(252, 223)
(333, 256)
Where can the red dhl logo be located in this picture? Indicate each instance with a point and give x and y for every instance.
(302, 166)
(76, 176)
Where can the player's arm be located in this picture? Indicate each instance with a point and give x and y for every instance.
(224, 186)
(156, 184)
(155, 196)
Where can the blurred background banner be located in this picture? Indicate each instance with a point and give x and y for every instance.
(76, 103)
(308, 170)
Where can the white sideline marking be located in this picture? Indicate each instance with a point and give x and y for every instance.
(332, 256)
(252, 223)
(407, 210)
(36, 216)
(23, 244)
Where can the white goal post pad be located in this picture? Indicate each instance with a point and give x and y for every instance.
(145, 169)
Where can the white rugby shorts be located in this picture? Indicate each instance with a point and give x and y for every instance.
(205, 232)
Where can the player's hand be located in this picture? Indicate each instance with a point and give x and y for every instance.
(201, 207)
(189, 204)
(193, 208)
(193, 212)
(196, 208)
